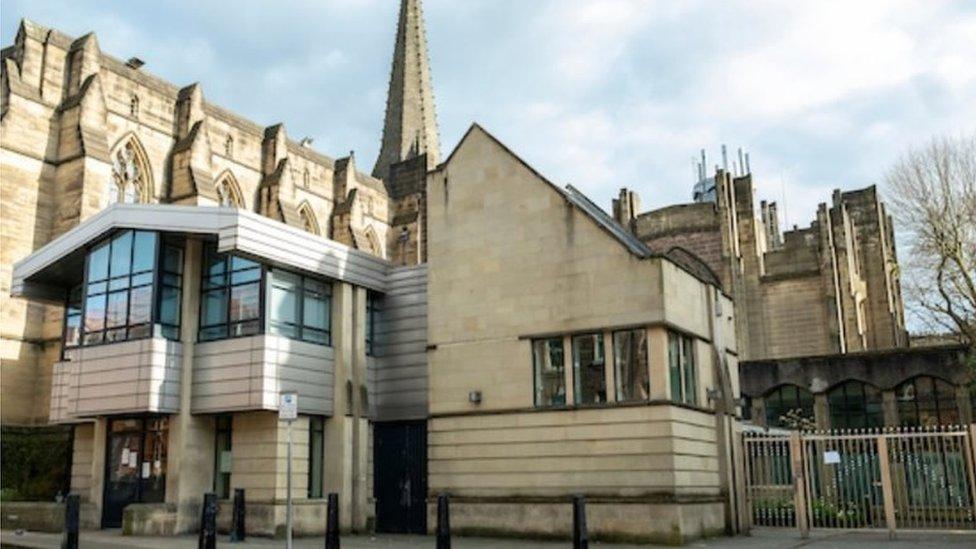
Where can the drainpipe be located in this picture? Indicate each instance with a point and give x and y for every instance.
(722, 397)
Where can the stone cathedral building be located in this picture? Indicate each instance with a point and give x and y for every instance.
(829, 288)
(452, 324)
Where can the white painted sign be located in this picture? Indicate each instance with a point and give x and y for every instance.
(831, 457)
(288, 406)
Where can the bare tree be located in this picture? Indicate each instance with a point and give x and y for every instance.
(933, 192)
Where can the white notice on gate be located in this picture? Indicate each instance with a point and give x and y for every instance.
(831, 457)
(145, 469)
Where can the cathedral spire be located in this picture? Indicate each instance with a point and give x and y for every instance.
(410, 127)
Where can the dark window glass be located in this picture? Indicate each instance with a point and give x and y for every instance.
(682, 371)
(372, 311)
(230, 302)
(549, 366)
(789, 406)
(630, 365)
(926, 401)
(222, 455)
(589, 369)
(316, 456)
(855, 405)
(299, 307)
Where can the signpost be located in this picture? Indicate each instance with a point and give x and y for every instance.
(288, 412)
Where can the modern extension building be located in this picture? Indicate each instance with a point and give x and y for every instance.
(465, 326)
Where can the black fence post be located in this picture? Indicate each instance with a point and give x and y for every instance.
(332, 522)
(581, 539)
(208, 522)
(72, 522)
(443, 522)
(237, 530)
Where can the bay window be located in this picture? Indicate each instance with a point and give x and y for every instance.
(121, 290)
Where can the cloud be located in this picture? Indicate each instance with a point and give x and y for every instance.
(600, 93)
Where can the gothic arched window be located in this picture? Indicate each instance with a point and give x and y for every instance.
(308, 219)
(130, 175)
(926, 401)
(855, 405)
(229, 147)
(306, 179)
(134, 106)
(228, 193)
(789, 406)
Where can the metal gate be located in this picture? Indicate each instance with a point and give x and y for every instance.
(894, 479)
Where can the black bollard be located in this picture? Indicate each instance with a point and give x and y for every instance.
(332, 523)
(208, 522)
(581, 539)
(72, 522)
(237, 526)
(443, 522)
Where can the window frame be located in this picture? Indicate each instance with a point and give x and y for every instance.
(162, 241)
(847, 410)
(683, 367)
(227, 287)
(797, 403)
(617, 368)
(300, 294)
(577, 366)
(537, 374)
(316, 426)
(372, 310)
(943, 407)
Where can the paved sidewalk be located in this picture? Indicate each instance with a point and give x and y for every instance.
(761, 539)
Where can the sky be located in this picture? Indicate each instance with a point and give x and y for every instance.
(602, 94)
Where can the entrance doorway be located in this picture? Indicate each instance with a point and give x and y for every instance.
(400, 474)
(135, 465)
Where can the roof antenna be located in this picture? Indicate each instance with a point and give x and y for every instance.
(741, 163)
(725, 159)
(748, 167)
(703, 164)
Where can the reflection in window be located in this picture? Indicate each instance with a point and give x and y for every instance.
(230, 303)
(549, 366)
(316, 457)
(926, 401)
(630, 365)
(300, 307)
(72, 318)
(119, 288)
(589, 369)
(170, 291)
(789, 406)
(222, 455)
(681, 368)
(855, 405)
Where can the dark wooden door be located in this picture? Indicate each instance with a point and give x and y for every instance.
(400, 477)
(135, 465)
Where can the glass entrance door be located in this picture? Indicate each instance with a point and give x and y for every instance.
(135, 465)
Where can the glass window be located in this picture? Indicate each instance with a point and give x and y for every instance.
(230, 302)
(630, 365)
(790, 406)
(372, 311)
(316, 457)
(118, 292)
(681, 368)
(926, 401)
(855, 405)
(550, 378)
(589, 369)
(223, 429)
(299, 307)
(170, 291)
(72, 318)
